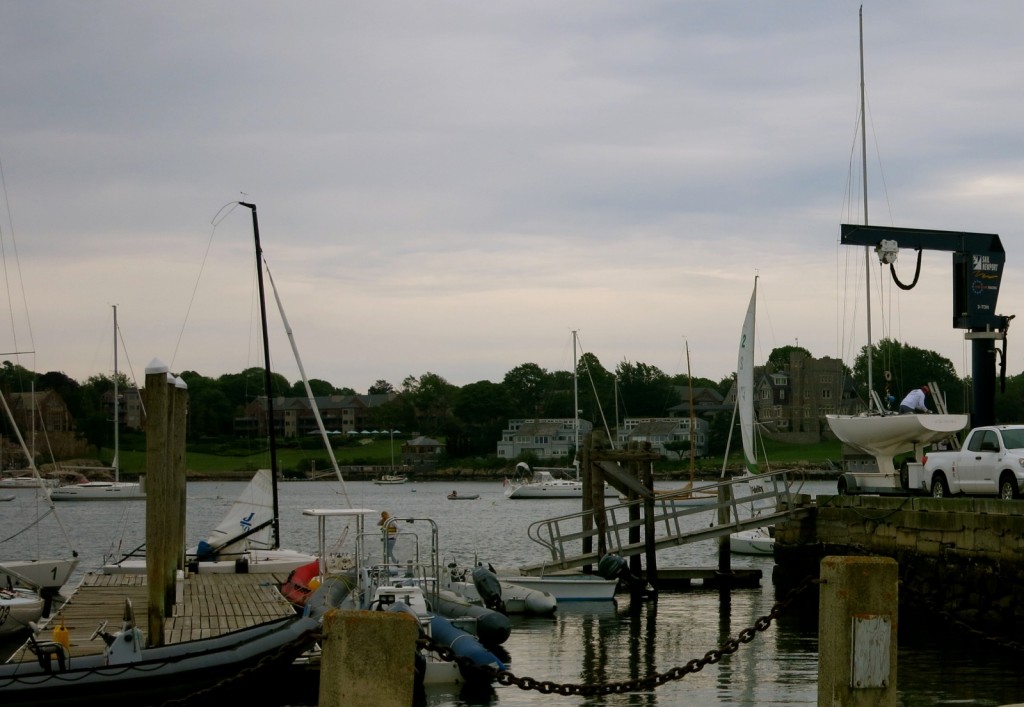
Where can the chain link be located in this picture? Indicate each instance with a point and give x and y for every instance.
(546, 687)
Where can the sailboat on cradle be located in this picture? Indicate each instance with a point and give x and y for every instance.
(547, 482)
(115, 490)
(877, 433)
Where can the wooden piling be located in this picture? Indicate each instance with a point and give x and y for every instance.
(165, 442)
(857, 621)
(368, 659)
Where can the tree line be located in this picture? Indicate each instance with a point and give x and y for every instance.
(472, 417)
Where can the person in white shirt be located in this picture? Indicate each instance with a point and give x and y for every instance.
(914, 402)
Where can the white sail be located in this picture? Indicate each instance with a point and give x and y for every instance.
(745, 384)
(249, 522)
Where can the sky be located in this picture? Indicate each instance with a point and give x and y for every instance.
(454, 187)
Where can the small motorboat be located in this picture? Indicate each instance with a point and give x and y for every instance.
(456, 496)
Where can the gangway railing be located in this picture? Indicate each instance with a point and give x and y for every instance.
(679, 518)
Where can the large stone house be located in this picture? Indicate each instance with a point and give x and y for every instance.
(791, 401)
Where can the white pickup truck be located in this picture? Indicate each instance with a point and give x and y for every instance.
(990, 463)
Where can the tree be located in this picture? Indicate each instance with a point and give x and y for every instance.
(381, 387)
(526, 385)
(320, 388)
(645, 391)
(899, 367)
(482, 410)
(779, 357)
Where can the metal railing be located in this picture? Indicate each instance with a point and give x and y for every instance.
(752, 502)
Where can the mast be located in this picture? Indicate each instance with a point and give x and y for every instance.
(266, 371)
(693, 451)
(117, 405)
(575, 407)
(864, 179)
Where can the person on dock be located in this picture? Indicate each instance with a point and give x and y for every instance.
(392, 532)
(914, 402)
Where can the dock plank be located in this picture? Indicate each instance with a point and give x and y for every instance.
(211, 604)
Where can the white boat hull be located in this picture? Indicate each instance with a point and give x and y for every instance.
(577, 587)
(99, 491)
(887, 435)
(251, 562)
(18, 607)
(756, 541)
(518, 599)
(46, 575)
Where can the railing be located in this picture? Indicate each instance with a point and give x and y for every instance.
(751, 502)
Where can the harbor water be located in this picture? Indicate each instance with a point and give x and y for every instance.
(584, 643)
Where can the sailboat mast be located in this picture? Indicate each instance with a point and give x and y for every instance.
(117, 405)
(693, 451)
(268, 383)
(864, 179)
(575, 407)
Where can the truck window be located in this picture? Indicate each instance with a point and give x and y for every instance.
(984, 441)
(1013, 439)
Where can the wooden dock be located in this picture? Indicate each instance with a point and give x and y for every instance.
(211, 604)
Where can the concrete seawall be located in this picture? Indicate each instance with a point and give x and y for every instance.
(961, 557)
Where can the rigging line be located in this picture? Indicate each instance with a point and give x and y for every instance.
(35, 471)
(221, 214)
(305, 382)
(124, 347)
(21, 280)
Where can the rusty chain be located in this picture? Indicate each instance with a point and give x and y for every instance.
(546, 687)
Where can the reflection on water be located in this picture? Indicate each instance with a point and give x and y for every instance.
(586, 643)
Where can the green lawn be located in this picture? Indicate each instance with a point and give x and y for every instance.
(379, 453)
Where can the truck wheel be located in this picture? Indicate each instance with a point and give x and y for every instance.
(939, 487)
(1008, 487)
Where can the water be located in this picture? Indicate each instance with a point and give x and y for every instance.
(583, 643)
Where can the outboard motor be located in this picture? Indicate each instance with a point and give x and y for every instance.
(487, 584)
(126, 645)
(615, 567)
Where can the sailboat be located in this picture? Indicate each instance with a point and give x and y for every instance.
(755, 541)
(45, 575)
(547, 482)
(115, 490)
(248, 538)
(877, 433)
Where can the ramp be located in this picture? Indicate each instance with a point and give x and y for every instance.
(677, 521)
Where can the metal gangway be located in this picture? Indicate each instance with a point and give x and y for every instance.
(678, 519)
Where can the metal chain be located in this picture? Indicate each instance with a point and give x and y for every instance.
(504, 677)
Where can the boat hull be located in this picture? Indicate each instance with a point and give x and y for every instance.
(99, 491)
(202, 672)
(18, 607)
(756, 541)
(582, 587)
(47, 575)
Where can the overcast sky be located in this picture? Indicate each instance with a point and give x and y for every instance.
(453, 187)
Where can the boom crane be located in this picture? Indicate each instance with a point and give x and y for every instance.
(978, 260)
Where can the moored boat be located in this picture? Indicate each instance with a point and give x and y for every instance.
(19, 608)
(389, 479)
(456, 496)
(567, 587)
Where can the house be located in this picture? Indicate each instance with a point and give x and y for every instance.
(422, 450)
(660, 431)
(46, 406)
(294, 416)
(554, 438)
(131, 413)
(791, 401)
